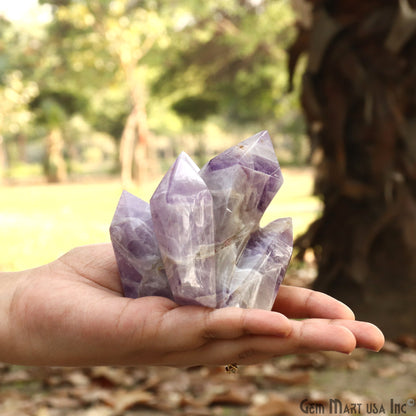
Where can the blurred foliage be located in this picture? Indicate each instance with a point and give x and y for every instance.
(233, 52)
(190, 63)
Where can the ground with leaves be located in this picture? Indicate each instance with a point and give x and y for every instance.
(271, 389)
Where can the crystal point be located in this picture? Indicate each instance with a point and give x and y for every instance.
(242, 180)
(261, 267)
(137, 253)
(182, 211)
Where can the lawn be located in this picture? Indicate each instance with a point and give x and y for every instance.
(41, 222)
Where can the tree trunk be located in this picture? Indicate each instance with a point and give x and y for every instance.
(136, 153)
(55, 165)
(359, 99)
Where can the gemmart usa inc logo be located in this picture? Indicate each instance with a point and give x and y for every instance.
(338, 407)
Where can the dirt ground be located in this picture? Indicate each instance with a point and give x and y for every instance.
(318, 383)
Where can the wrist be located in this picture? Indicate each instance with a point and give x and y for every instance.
(9, 322)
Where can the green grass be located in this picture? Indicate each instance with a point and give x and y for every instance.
(38, 223)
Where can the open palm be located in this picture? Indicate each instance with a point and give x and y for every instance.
(72, 312)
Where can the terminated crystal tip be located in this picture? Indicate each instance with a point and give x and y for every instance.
(136, 250)
(251, 167)
(261, 267)
(242, 180)
(182, 211)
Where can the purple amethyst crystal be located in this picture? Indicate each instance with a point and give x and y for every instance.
(261, 267)
(137, 253)
(242, 180)
(199, 242)
(182, 212)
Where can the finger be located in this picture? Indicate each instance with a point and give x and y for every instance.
(367, 335)
(307, 336)
(229, 323)
(198, 325)
(298, 302)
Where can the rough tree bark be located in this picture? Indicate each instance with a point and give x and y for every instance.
(359, 100)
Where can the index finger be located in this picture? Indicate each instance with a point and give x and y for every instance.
(299, 302)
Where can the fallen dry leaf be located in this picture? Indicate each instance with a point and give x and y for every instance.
(122, 400)
(308, 361)
(17, 376)
(275, 405)
(117, 376)
(78, 379)
(62, 400)
(237, 395)
(289, 378)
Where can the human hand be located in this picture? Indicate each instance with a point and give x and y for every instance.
(72, 312)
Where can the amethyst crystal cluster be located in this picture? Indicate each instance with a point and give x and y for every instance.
(199, 240)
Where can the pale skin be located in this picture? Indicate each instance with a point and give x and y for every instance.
(71, 312)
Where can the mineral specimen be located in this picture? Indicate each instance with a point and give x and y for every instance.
(182, 211)
(261, 267)
(200, 241)
(242, 180)
(137, 253)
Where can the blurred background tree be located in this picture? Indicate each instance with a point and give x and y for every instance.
(229, 62)
(150, 74)
(96, 33)
(359, 99)
(16, 91)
